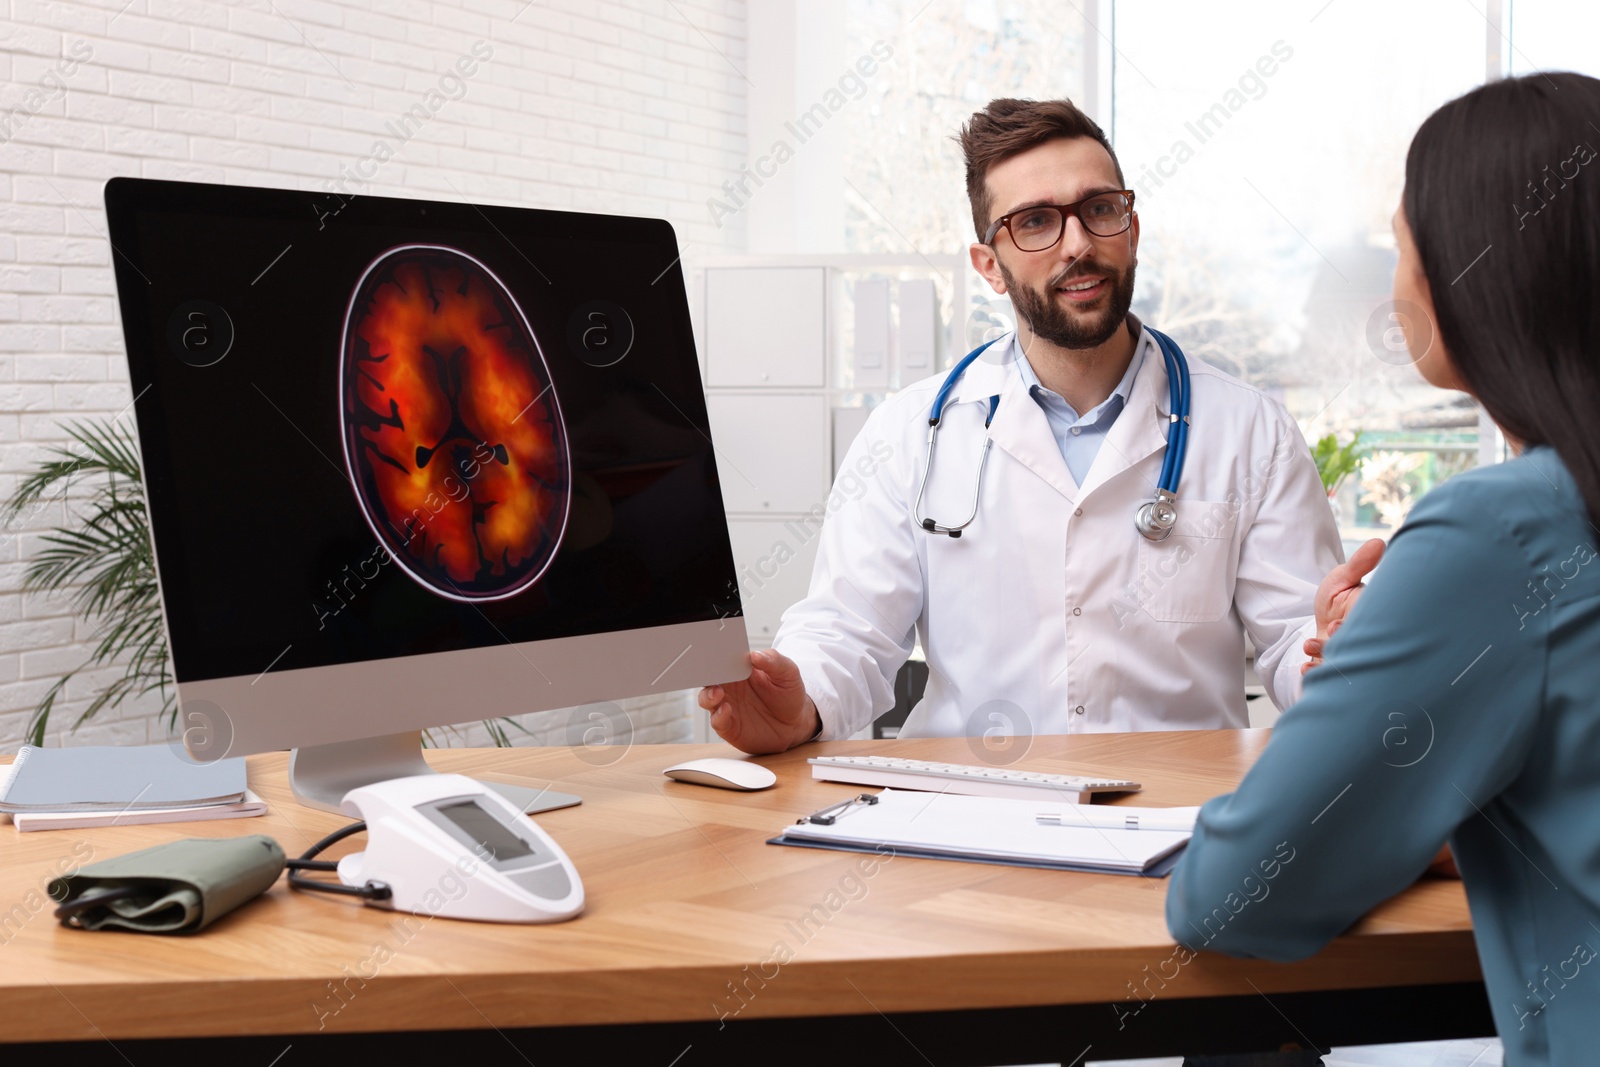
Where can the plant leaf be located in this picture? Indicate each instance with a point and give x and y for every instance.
(103, 557)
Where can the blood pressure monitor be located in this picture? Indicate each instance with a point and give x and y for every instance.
(446, 845)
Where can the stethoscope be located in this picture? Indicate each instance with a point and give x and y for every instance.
(1155, 518)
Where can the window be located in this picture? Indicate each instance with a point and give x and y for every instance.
(907, 185)
(1268, 153)
(1553, 35)
(907, 190)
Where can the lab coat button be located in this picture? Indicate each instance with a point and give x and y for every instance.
(1078, 709)
(1077, 611)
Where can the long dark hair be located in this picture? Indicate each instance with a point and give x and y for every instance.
(1502, 197)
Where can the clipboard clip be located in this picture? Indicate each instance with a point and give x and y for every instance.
(830, 814)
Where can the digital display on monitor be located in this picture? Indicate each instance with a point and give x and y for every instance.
(487, 832)
(376, 428)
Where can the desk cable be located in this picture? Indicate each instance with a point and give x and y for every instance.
(372, 891)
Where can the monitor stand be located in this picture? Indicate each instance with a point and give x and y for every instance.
(321, 775)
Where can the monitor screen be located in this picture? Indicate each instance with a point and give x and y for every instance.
(376, 428)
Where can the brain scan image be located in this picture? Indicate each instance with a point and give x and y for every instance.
(453, 436)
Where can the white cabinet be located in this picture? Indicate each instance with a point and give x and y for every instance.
(774, 559)
(766, 326)
(773, 335)
(766, 356)
(772, 450)
(847, 426)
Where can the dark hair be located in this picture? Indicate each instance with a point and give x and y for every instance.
(1007, 128)
(1502, 197)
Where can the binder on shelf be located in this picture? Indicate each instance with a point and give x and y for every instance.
(872, 334)
(919, 328)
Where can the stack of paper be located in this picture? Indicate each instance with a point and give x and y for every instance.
(997, 830)
(63, 788)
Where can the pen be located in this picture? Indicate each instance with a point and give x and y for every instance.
(1109, 818)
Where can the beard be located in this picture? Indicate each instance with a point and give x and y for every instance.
(1068, 327)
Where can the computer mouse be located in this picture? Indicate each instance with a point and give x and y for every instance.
(723, 773)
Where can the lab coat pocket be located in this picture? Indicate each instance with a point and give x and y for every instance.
(1189, 577)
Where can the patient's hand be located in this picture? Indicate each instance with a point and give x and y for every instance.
(1337, 595)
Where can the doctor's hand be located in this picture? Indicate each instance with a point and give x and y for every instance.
(1337, 595)
(767, 712)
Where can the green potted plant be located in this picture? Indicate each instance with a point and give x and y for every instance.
(1335, 463)
(106, 548)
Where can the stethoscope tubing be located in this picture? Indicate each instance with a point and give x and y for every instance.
(1178, 395)
(1178, 419)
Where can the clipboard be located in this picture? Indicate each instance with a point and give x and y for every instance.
(991, 830)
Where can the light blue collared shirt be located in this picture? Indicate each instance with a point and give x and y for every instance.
(1078, 436)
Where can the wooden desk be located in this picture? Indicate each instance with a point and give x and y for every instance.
(698, 933)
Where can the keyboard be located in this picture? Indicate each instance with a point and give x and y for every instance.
(897, 773)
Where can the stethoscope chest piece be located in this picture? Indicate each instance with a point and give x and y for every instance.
(1156, 518)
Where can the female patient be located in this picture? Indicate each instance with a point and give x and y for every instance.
(1460, 701)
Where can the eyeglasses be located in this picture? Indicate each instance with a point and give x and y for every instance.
(1034, 229)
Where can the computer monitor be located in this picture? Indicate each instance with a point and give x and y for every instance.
(412, 463)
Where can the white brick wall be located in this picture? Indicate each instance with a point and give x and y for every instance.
(628, 106)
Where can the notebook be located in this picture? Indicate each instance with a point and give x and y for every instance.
(25, 821)
(94, 778)
(998, 830)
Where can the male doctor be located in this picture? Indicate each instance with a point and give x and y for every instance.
(1052, 613)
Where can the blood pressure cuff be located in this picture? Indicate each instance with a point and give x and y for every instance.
(177, 888)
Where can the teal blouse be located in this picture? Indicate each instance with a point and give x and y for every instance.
(1460, 701)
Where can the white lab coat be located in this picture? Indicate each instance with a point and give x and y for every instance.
(1051, 614)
